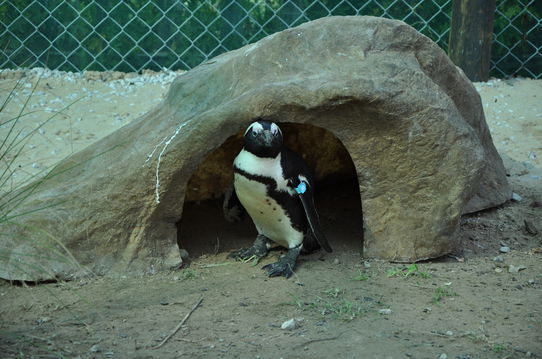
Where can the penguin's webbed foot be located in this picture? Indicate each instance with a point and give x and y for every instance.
(285, 265)
(258, 250)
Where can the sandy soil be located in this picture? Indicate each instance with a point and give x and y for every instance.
(476, 303)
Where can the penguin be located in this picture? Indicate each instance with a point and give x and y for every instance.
(275, 187)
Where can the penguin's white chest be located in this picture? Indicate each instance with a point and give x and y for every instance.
(268, 216)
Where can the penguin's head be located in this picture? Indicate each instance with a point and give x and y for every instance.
(263, 139)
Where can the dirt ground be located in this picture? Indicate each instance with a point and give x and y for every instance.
(483, 301)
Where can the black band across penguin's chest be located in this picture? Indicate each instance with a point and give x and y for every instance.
(290, 204)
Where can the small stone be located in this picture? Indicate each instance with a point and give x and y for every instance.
(530, 281)
(336, 261)
(385, 311)
(498, 259)
(515, 269)
(443, 356)
(427, 310)
(95, 348)
(449, 333)
(504, 249)
(516, 197)
(366, 264)
(290, 324)
(43, 320)
(498, 270)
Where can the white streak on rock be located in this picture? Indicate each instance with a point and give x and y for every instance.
(171, 138)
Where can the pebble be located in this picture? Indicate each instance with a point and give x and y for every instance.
(290, 324)
(516, 197)
(385, 311)
(504, 249)
(43, 320)
(515, 269)
(443, 356)
(498, 259)
(449, 333)
(95, 348)
(336, 261)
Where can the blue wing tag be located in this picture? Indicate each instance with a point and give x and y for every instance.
(301, 187)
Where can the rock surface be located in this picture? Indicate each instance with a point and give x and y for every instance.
(411, 121)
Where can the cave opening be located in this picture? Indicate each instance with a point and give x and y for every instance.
(202, 229)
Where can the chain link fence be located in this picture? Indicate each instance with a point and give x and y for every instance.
(132, 35)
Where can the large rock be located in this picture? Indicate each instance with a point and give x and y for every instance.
(411, 121)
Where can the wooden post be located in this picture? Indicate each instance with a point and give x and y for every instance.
(470, 36)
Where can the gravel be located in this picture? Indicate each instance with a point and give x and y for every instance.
(504, 249)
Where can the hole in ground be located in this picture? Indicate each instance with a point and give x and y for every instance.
(203, 229)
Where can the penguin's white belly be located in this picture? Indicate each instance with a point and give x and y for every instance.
(268, 216)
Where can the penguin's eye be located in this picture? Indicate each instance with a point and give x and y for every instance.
(254, 129)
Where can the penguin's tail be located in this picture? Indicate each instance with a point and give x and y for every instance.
(310, 244)
(304, 191)
(233, 210)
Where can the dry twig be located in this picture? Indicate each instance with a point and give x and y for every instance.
(180, 324)
(318, 340)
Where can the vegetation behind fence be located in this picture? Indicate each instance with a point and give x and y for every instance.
(131, 35)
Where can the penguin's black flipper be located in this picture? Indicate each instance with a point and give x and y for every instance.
(304, 192)
(234, 211)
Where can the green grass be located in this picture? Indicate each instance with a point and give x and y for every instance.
(13, 198)
(441, 293)
(361, 277)
(411, 270)
(34, 244)
(334, 303)
(190, 274)
(499, 348)
(334, 292)
(342, 309)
